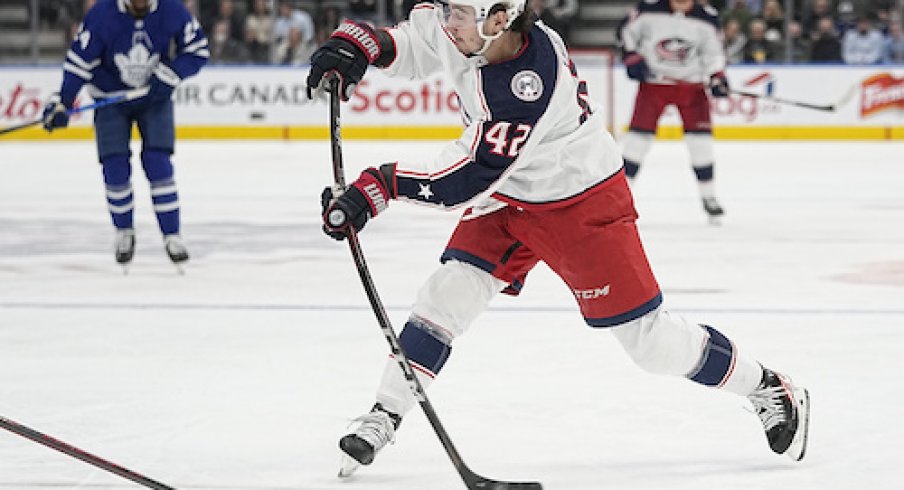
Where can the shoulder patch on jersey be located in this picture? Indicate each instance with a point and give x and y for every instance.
(527, 85)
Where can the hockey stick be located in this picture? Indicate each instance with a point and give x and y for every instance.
(82, 455)
(805, 105)
(130, 95)
(472, 480)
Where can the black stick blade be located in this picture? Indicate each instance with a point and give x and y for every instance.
(478, 482)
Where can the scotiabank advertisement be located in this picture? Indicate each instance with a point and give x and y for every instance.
(781, 98)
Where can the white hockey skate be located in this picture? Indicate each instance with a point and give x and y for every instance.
(713, 210)
(124, 247)
(175, 249)
(374, 430)
(784, 410)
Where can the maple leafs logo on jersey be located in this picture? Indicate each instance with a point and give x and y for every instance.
(527, 85)
(136, 67)
(675, 50)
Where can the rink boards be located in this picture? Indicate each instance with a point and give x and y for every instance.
(270, 103)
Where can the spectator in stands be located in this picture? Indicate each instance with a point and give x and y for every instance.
(557, 14)
(259, 32)
(758, 49)
(733, 40)
(328, 17)
(364, 11)
(293, 50)
(863, 45)
(293, 33)
(755, 7)
(739, 12)
(894, 44)
(234, 24)
(845, 16)
(289, 17)
(826, 46)
(774, 18)
(811, 17)
(223, 47)
(401, 9)
(800, 44)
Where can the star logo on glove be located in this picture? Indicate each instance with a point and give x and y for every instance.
(425, 191)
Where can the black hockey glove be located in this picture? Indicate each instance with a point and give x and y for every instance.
(636, 66)
(350, 49)
(365, 197)
(718, 85)
(55, 115)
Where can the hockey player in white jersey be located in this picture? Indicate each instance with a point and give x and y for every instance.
(538, 178)
(674, 49)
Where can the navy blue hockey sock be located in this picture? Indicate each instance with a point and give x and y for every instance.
(159, 170)
(117, 171)
(423, 346)
(717, 361)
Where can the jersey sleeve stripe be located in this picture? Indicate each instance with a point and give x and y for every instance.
(167, 75)
(84, 75)
(193, 47)
(81, 63)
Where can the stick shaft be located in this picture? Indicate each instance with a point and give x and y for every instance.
(806, 105)
(77, 453)
(126, 96)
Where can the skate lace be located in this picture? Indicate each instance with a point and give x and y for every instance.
(768, 406)
(376, 428)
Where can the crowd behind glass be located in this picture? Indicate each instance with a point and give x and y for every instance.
(755, 31)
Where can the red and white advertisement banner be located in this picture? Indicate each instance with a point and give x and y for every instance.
(861, 97)
(275, 96)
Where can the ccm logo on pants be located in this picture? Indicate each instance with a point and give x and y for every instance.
(591, 293)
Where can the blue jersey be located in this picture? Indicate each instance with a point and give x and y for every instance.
(114, 51)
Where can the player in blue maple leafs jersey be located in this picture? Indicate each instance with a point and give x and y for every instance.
(124, 45)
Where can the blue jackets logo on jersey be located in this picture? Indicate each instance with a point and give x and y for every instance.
(673, 49)
(527, 85)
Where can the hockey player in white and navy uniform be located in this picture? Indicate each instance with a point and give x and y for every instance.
(538, 178)
(124, 45)
(674, 49)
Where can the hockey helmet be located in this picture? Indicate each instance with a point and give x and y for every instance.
(482, 8)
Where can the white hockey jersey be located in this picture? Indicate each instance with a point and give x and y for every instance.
(676, 46)
(532, 136)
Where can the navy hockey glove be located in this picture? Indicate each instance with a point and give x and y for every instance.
(364, 198)
(636, 66)
(54, 115)
(162, 83)
(350, 49)
(718, 85)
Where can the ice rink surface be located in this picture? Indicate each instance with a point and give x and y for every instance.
(243, 373)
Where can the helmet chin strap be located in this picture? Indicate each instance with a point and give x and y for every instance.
(487, 40)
